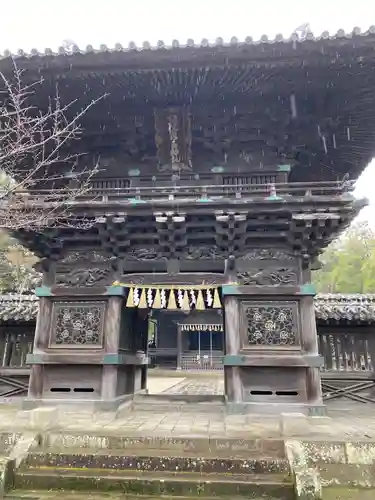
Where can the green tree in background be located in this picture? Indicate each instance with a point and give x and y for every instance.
(349, 263)
(17, 274)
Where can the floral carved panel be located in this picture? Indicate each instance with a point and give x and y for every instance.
(271, 325)
(77, 324)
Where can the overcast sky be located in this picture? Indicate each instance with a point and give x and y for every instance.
(46, 23)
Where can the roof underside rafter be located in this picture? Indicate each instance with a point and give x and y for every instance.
(306, 101)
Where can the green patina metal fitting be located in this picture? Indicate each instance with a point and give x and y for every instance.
(234, 360)
(204, 200)
(115, 290)
(307, 289)
(284, 168)
(136, 201)
(274, 198)
(121, 359)
(134, 172)
(43, 291)
(217, 170)
(108, 359)
(34, 359)
(230, 290)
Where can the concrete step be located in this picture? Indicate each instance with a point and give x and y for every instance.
(152, 463)
(196, 404)
(177, 408)
(186, 403)
(67, 495)
(191, 399)
(63, 442)
(179, 485)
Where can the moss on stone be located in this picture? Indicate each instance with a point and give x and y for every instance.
(345, 493)
(156, 487)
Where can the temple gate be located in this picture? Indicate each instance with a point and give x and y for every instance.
(223, 174)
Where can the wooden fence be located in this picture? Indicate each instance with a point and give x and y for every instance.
(15, 345)
(347, 374)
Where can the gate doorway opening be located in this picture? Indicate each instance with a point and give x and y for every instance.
(186, 352)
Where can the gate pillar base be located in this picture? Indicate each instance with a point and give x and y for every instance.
(82, 351)
(271, 365)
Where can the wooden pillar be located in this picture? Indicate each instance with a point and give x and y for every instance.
(233, 383)
(309, 341)
(111, 346)
(41, 340)
(232, 344)
(145, 349)
(179, 346)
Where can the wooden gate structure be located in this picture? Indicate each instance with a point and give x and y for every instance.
(224, 169)
(346, 333)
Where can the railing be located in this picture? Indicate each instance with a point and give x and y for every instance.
(189, 192)
(341, 352)
(14, 348)
(14, 373)
(208, 360)
(347, 374)
(346, 352)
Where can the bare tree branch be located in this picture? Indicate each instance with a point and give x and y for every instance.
(35, 154)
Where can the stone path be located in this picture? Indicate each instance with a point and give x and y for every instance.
(195, 422)
(156, 385)
(198, 387)
(173, 425)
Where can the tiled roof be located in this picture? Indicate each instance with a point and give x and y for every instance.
(345, 307)
(18, 308)
(328, 307)
(190, 43)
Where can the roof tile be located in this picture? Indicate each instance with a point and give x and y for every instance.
(190, 43)
(328, 307)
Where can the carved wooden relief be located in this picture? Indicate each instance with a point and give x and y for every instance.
(143, 254)
(268, 254)
(268, 277)
(85, 269)
(84, 277)
(85, 256)
(203, 252)
(175, 279)
(192, 252)
(270, 324)
(77, 324)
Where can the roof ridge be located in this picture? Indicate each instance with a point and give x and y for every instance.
(190, 43)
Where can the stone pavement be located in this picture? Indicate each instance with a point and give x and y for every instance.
(157, 385)
(173, 425)
(215, 386)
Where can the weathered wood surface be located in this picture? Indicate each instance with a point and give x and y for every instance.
(348, 374)
(15, 345)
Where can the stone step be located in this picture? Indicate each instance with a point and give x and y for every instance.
(113, 443)
(102, 463)
(184, 403)
(183, 408)
(180, 485)
(68, 495)
(198, 399)
(178, 406)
